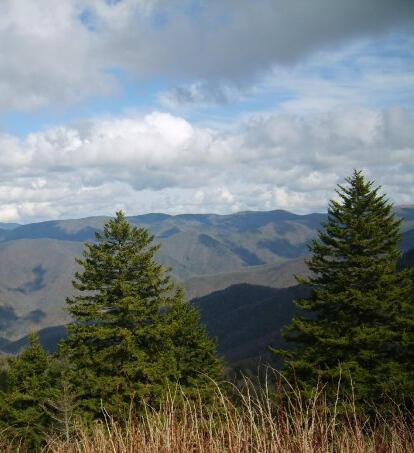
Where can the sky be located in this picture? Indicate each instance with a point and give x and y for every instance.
(196, 106)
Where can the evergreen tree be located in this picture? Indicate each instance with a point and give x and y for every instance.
(358, 323)
(63, 400)
(5, 362)
(132, 335)
(21, 404)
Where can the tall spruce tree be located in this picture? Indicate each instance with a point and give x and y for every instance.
(358, 323)
(133, 335)
(22, 415)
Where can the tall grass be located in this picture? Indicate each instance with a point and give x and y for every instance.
(254, 423)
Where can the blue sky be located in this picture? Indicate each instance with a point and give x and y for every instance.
(201, 106)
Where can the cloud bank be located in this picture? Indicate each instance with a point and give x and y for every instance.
(158, 161)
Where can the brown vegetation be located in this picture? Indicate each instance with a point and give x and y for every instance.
(255, 423)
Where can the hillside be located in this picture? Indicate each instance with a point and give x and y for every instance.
(35, 276)
(246, 319)
(199, 244)
(8, 226)
(207, 252)
(38, 259)
(273, 276)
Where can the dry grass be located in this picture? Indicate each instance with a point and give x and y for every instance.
(255, 424)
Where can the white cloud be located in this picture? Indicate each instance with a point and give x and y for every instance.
(9, 213)
(61, 53)
(160, 162)
(226, 195)
(48, 56)
(312, 132)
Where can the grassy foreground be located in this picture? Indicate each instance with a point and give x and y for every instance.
(253, 424)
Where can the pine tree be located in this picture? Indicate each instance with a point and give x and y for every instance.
(133, 335)
(21, 404)
(63, 400)
(5, 363)
(358, 323)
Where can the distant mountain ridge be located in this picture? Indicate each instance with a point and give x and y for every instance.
(207, 252)
(9, 226)
(199, 244)
(166, 225)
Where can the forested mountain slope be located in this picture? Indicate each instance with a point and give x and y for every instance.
(207, 253)
(245, 318)
(37, 260)
(199, 244)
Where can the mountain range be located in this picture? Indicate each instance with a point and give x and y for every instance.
(247, 257)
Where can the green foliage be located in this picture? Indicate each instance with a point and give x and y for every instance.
(21, 404)
(132, 335)
(358, 323)
(5, 362)
(63, 400)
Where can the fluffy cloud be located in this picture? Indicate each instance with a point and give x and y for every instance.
(161, 162)
(41, 63)
(61, 53)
